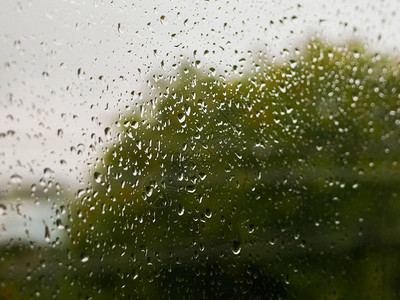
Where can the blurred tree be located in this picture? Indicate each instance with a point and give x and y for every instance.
(278, 183)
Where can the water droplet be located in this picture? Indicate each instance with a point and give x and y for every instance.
(236, 247)
(191, 189)
(181, 117)
(97, 177)
(3, 209)
(135, 125)
(81, 193)
(251, 228)
(282, 88)
(292, 63)
(181, 210)
(16, 179)
(47, 233)
(135, 275)
(59, 224)
(47, 172)
(107, 131)
(149, 190)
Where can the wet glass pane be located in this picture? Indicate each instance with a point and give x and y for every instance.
(168, 150)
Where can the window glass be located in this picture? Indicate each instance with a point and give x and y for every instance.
(167, 149)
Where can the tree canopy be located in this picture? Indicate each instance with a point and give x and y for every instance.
(280, 182)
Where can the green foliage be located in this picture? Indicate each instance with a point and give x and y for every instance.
(279, 183)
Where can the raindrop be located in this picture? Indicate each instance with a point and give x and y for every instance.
(47, 172)
(181, 210)
(47, 233)
(16, 179)
(135, 125)
(59, 224)
(236, 247)
(97, 177)
(3, 209)
(181, 118)
(191, 189)
(107, 131)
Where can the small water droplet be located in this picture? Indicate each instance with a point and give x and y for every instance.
(181, 117)
(3, 209)
(16, 179)
(81, 193)
(135, 125)
(59, 224)
(107, 131)
(236, 247)
(47, 172)
(47, 233)
(191, 189)
(97, 177)
(181, 210)
(251, 228)
(135, 275)
(149, 190)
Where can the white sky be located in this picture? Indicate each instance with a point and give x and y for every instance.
(45, 42)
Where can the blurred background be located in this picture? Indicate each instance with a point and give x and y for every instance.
(166, 149)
